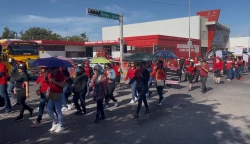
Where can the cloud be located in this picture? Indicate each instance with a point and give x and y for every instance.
(53, 1)
(76, 25)
(129, 16)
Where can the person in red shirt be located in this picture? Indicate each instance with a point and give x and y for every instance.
(190, 74)
(44, 85)
(160, 75)
(218, 70)
(203, 76)
(240, 68)
(118, 71)
(197, 70)
(187, 61)
(56, 80)
(130, 75)
(3, 87)
(228, 66)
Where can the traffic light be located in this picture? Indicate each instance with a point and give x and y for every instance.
(93, 12)
(124, 48)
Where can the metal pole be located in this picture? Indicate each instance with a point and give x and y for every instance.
(121, 39)
(189, 54)
(248, 41)
(153, 48)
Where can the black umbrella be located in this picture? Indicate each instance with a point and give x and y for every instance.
(165, 54)
(140, 56)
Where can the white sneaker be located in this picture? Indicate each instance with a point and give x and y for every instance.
(54, 127)
(59, 129)
(64, 109)
(132, 102)
(161, 102)
(228, 79)
(70, 106)
(136, 99)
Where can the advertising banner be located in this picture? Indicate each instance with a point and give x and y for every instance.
(238, 50)
(172, 75)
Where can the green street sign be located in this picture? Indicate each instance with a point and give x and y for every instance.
(103, 14)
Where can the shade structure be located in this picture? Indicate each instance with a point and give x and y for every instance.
(140, 56)
(165, 54)
(99, 60)
(52, 62)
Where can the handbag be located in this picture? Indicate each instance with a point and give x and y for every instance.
(53, 96)
(38, 92)
(160, 82)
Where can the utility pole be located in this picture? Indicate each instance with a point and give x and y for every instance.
(153, 48)
(66, 33)
(121, 39)
(189, 41)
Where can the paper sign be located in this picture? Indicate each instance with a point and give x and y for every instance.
(238, 50)
(245, 57)
(219, 53)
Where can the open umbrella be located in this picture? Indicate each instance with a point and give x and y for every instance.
(52, 62)
(165, 54)
(67, 59)
(140, 56)
(99, 60)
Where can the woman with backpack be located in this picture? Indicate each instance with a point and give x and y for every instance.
(21, 90)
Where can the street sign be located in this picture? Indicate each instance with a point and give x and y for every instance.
(103, 14)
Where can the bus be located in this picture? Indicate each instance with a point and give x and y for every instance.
(21, 51)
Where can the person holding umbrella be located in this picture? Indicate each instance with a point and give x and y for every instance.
(54, 94)
(44, 85)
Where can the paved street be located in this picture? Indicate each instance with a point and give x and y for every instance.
(222, 116)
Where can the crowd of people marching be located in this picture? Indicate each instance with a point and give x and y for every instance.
(57, 84)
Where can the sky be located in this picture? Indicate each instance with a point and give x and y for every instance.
(57, 15)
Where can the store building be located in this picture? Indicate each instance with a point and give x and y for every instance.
(240, 41)
(51, 48)
(206, 34)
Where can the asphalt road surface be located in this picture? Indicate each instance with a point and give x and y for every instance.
(221, 116)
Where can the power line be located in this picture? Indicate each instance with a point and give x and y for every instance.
(158, 2)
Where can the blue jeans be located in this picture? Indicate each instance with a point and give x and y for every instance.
(229, 74)
(142, 98)
(58, 106)
(237, 75)
(4, 94)
(43, 101)
(133, 87)
(10, 90)
(233, 72)
(65, 95)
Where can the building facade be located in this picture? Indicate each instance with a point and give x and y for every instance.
(203, 27)
(240, 41)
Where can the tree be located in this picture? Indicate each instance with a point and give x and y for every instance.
(79, 38)
(37, 33)
(8, 34)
